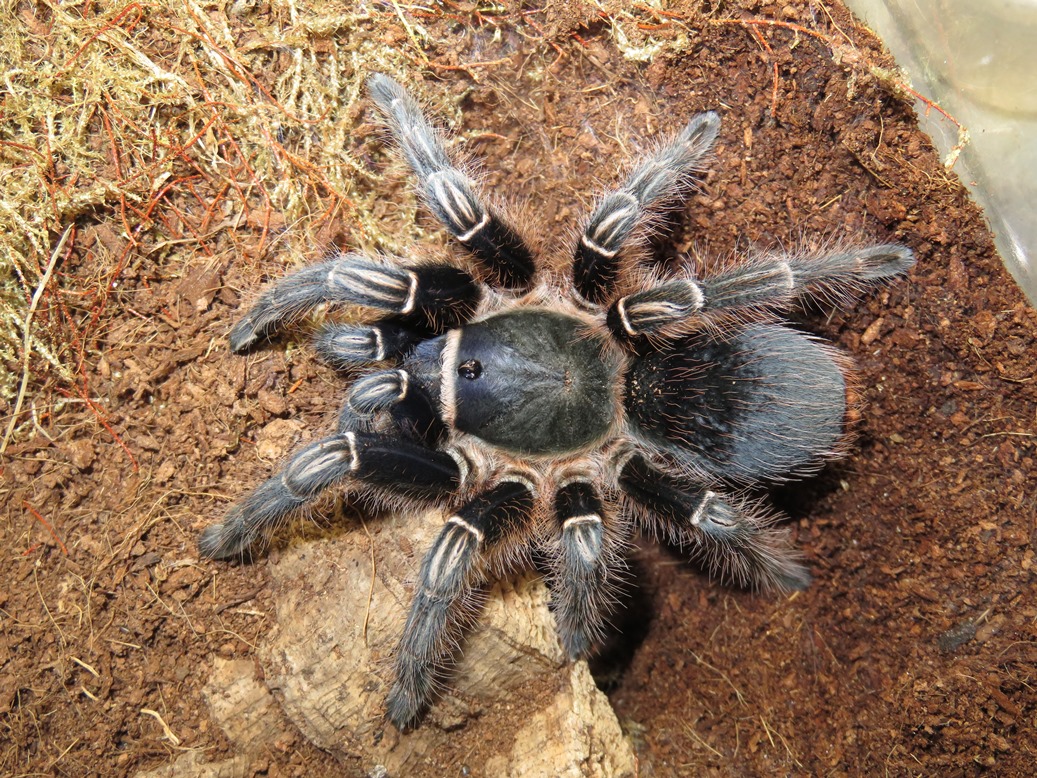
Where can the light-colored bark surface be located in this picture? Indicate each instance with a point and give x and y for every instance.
(327, 666)
(330, 658)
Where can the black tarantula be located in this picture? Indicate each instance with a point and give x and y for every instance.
(560, 412)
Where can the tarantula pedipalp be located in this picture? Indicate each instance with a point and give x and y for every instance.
(560, 413)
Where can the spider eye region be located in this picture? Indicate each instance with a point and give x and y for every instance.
(532, 382)
(470, 369)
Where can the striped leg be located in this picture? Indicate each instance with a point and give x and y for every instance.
(736, 543)
(581, 589)
(432, 296)
(361, 461)
(394, 391)
(345, 346)
(450, 570)
(666, 176)
(675, 308)
(450, 194)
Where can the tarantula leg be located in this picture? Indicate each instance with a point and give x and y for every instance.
(448, 573)
(344, 346)
(674, 308)
(656, 311)
(838, 276)
(377, 392)
(735, 541)
(666, 176)
(450, 194)
(581, 590)
(364, 460)
(433, 296)
(410, 406)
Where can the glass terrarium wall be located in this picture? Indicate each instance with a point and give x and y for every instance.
(977, 59)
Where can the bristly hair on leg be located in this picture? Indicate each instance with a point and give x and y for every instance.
(308, 473)
(744, 543)
(427, 295)
(449, 193)
(583, 565)
(659, 181)
(760, 287)
(448, 573)
(736, 539)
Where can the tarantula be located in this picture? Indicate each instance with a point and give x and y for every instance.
(556, 413)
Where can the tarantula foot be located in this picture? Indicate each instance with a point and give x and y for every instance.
(405, 704)
(244, 335)
(217, 543)
(884, 261)
(577, 645)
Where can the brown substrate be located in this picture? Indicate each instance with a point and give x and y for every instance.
(913, 652)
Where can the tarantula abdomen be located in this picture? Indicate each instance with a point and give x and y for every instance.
(760, 405)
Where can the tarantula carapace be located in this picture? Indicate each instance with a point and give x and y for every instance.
(558, 413)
